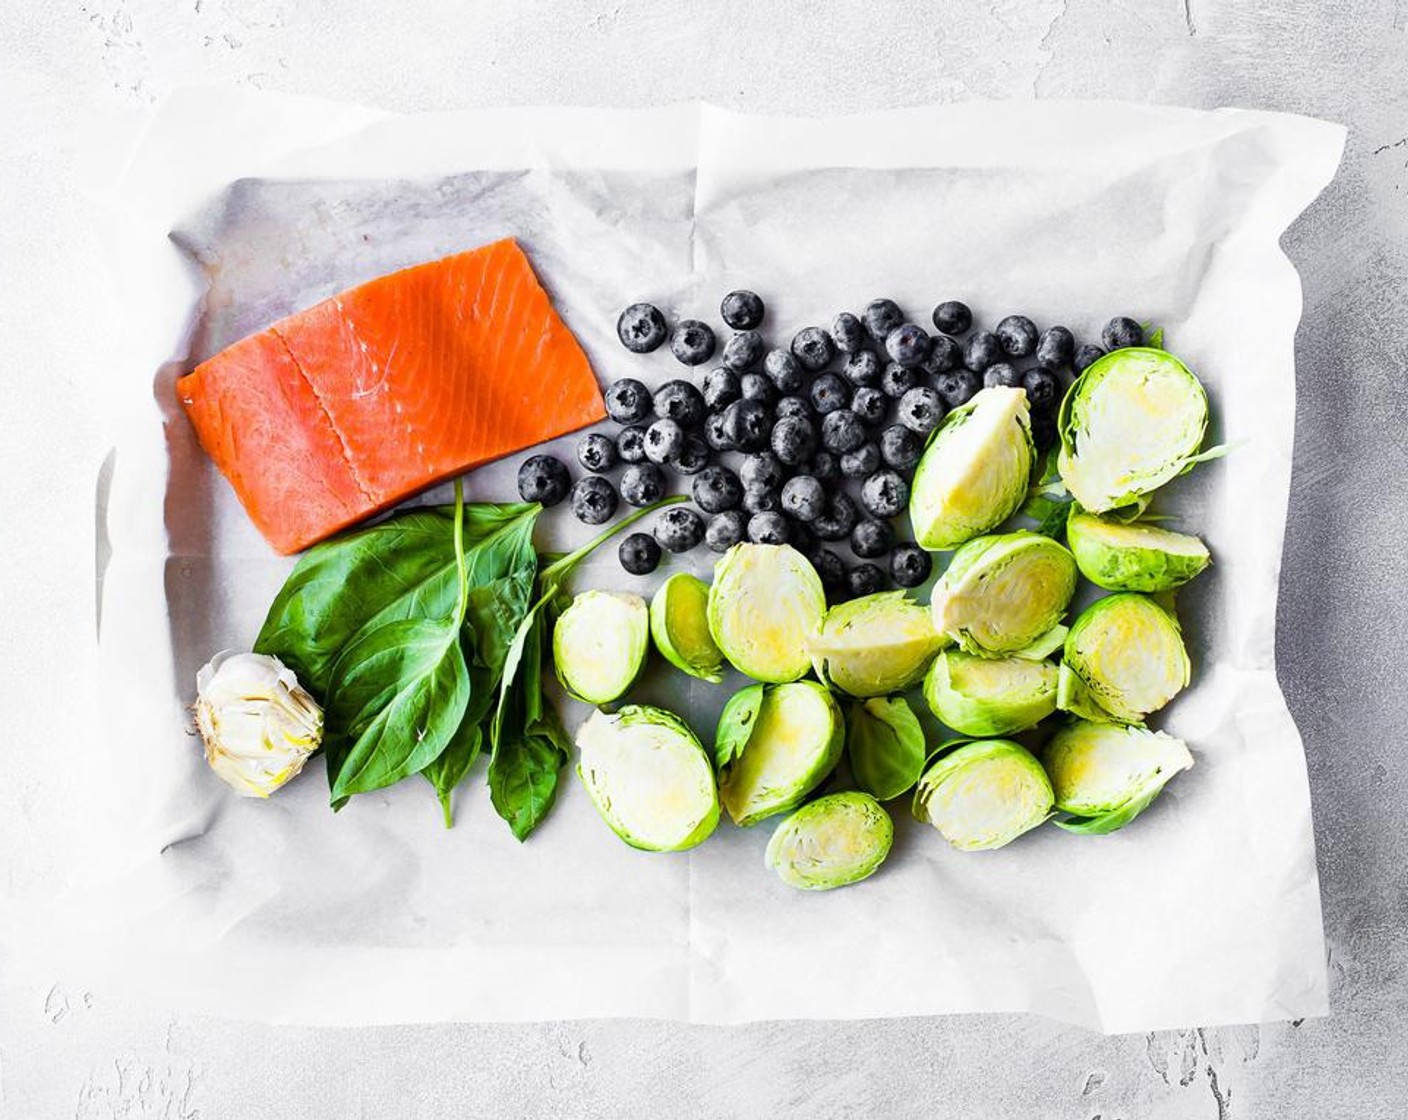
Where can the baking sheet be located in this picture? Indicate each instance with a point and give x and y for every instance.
(234, 208)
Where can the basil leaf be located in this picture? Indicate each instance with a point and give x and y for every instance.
(455, 761)
(736, 725)
(886, 746)
(523, 781)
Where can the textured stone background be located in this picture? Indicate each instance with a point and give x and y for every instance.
(1343, 612)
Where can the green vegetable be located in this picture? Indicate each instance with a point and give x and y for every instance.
(1105, 775)
(599, 644)
(885, 745)
(874, 645)
(765, 605)
(679, 623)
(1121, 556)
(975, 473)
(1124, 658)
(736, 724)
(649, 778)
(983, 696)
(984, 794)
(834, 841)
(792, 743)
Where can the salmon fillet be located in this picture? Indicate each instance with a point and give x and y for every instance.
(343, 410)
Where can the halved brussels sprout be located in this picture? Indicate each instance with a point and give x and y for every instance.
(774, 746)
(984, 794)
(874, 645)
(976, 470)
(1130, 556)
(679, 623)
(985, 696)
(885, 745)
(834, 841)
(1105, 775)
(1003, 593)
(648, 777)
(1132, 421)
(765, 605)
(1124, 658)
(599, 644)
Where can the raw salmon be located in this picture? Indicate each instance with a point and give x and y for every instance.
(340, 411)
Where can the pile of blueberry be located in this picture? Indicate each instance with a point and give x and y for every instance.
(855, 404)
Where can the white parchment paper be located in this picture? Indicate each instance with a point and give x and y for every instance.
(234, 208)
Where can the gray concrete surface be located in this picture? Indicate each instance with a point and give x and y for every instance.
(1342, 621)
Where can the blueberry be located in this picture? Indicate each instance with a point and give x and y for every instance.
(642, 484)
(1017, 334)
(742, 310)
(1055, 348)
(1041, 386)
(799, 407)
(944, 354)
(981, 350)
(641, 328)
(862, 368)
(1120, 332)
(761, 499)
(679, 401)
(871, 538)
(639, 554)
(897, 380)
(726, 530)
(593, 500)
(900, 448)
(721, 388)
(881, 317)
(693, 342)
(910, 565)
(716, 489)
(716, 432)
(597, 452)
(848, 333)
(746, 424)
(679, 529)
(831, 570)
(543, 478)
(825, 466)
(761, 471)
(842, 431)
(920, 410)
(803, 539)
(694, 458)
(865, 579)
(768, 527)
(813, 347)
(838, 519)
(828, 393)
(907, 344)
(958, 386)
(630, 444)
(1043, 431)
(1086, 356)
(1001, 374)
(756, 387)
(870, 405)
(743, 351)
(953, 317)
(803, 498)
(785, 371)
(627, 401)
(664, 441)
(884, 494)
(863, 461)
(793, 440)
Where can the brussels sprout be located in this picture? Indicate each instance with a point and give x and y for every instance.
(679, 623)
(648, 777)
(984, 794)
(835, 841)
(1121, 556)
(1124, 658)
(774, 746)
(1003, 593)
(885, 745)
(1132, 421)
(765, 605)
(975, 472)
(981, 696)
(1105, 775)
(874, 645)
(599, 644)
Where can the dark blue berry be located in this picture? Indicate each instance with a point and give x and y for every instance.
(813, 347)
(716, 489)
(743, 351)
(1041, 386)
(981, 350)
(825, 466)
(793, 406)
(543, 478)
(907, 344)
(630, 444)
(693, 458)
(803, 498)
(721, 388)
(1017, 334)
(1121, 332)
(944, 354)
(881, 317)
(839, 518)
(831, 570)
(848, 332)
(870, 405)
(900, 448)
(842, 431)
(793, 440)
(681, 402)
(1086, 357)
(871, 538)
(862, 462)
(1055, 348)
(953, 317)
(828, 393)
(865, 579)
(958, 386)
(664, 441)
(597, 452)
(910, 565)
(862, 368)
(642, 484)
(920, 410)
(627, 401)
(742, 310)
(1043, 431)
(785, 371)
(593, 500)
(726, 530)
(762, 471)
(1002, 375)
(716, 432)
(692, 342)
(884, 494)
(898, 379)
(641, 328)
(747, 425)
(761, 499)
(768, 527)
(756, 387)
(639, 554)
(679, 529)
